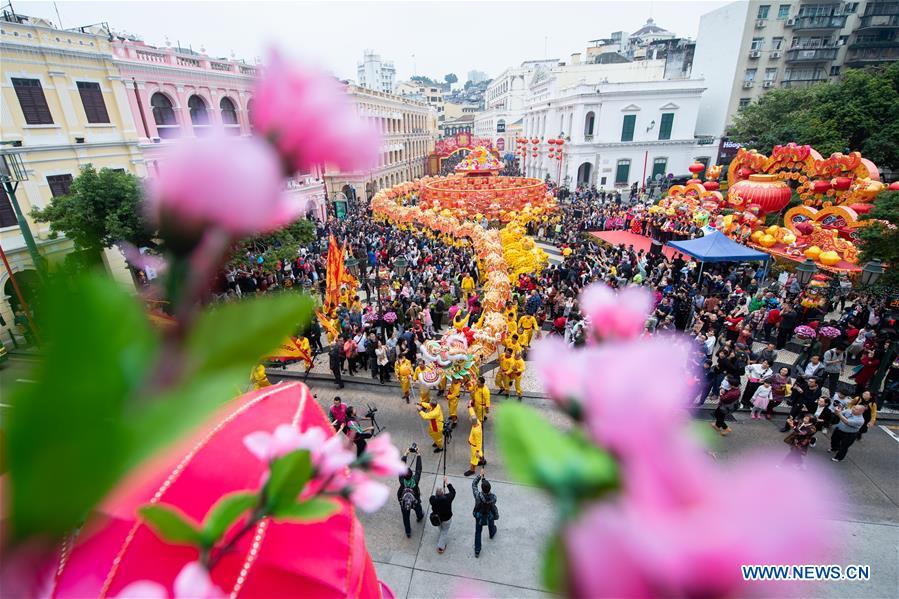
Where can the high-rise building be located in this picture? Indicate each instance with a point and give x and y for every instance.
(477, 76)
(746, 48)
(375, 73)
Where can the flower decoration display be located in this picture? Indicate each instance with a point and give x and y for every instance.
(829, 332)
(805, 332)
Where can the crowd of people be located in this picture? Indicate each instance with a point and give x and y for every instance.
(743, 326)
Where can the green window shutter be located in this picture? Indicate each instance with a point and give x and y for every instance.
(665, 127)
(627, 128)
(658, 167)
(621, 174)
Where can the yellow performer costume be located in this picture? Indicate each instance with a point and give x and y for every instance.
(434, 415)
(452, 399)
(516, 369)
(527, 325)
(460, 320)
(501, 381)
(424, 393)
(476, 442)
(467, 286)
(403, 371)
(258, 378)
(481, 398)
(306, 349)
(511, 342)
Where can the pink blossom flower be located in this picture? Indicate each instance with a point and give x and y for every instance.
(694, 545)
(616, 316)
(328, 453)
(560, 369)
(635, 395)
(385, 457)
(308, 116)
(366, 494)
(193, 582)
(234, 184)
(332, 456)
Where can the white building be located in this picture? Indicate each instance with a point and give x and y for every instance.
(374, 73)
(614, 132)
(408, 130)
(746, 48)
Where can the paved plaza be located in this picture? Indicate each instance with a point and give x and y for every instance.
(509, 565)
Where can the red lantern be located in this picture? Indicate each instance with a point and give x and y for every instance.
(560, 141)
(534, 154)
(841, 183)
(535, 141)
(767, 192)
(696, 168)
(820, 186)
(559, 157)
(711, 185)
(894, 186)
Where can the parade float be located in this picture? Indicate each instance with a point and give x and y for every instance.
(460, 210)
(834, 192)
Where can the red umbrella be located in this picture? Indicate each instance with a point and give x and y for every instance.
(325, 559)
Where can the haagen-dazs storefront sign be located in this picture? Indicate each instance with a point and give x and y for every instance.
(728, 149)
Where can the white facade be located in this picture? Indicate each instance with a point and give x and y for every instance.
(612, 130)
(408, 131)
(374, 73)
(746, 48)
(504, 105)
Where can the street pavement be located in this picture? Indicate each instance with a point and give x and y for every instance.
(509, 565)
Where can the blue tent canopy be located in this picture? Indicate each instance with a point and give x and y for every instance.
(718, 247)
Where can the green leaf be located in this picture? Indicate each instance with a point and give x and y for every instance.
(287, 477)
(66, 436)
(311, 510)
(555, 569)
(241, 333)
(224, 513)
(567, 465)
(170, 524)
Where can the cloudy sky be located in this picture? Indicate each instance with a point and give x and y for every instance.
(444, 37)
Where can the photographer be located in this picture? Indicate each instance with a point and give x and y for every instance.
(442, 510)
(409, 495)
(356, 432)
(485, 511)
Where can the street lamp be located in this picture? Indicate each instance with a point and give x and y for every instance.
(871, 272)
(352, 265)
(805, 271)
(12, 172)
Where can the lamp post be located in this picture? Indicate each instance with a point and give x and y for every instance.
(871, 272)
(400, 266)
(805, 272)
(12, 172)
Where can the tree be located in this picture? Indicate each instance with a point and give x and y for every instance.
(282, 244)
(422, 80)
(881, 238)
(100, 209)
(860, 113)
(450, 78)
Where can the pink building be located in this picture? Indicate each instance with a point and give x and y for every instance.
(178, 93)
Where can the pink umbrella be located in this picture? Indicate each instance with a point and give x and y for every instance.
(325, 559)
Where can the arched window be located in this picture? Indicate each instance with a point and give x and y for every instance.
(164, 115)
(229, 116)
(199, 116)
(589, 121)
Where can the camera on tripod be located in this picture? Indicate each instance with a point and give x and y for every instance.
(447, 430)
(370, 414)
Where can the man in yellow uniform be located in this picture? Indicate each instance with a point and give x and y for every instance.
(516, 370)
(500, 378)
(480, 397)
(432, 412)
(511, 322)
(424, 392)
(527, 325)
(259, 378)
(467, 285)
(452, 399)
(511, 342)
(476, 443)
(507, 366)
(403, 371)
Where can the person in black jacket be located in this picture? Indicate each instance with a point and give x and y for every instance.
(408, 494)
(335, 359)
(442, 505)
(485, 512)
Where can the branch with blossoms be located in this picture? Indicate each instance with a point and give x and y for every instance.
(307, 475)
(644, 511)
(109, 390)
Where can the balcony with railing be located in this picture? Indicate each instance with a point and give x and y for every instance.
(811, 54)
(819, 22)
(874, 22)
(804, 80)
(866, 53)
(139, 52)
(881, 8)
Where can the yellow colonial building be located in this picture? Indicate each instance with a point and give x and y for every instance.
(63, 106)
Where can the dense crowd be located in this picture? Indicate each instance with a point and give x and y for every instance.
(743, 326)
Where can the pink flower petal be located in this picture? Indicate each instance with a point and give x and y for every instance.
(260, 444)
(369, 496)
(194, 582)
(143, 589)
(616, 316)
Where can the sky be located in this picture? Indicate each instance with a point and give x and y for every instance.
(423, 37)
